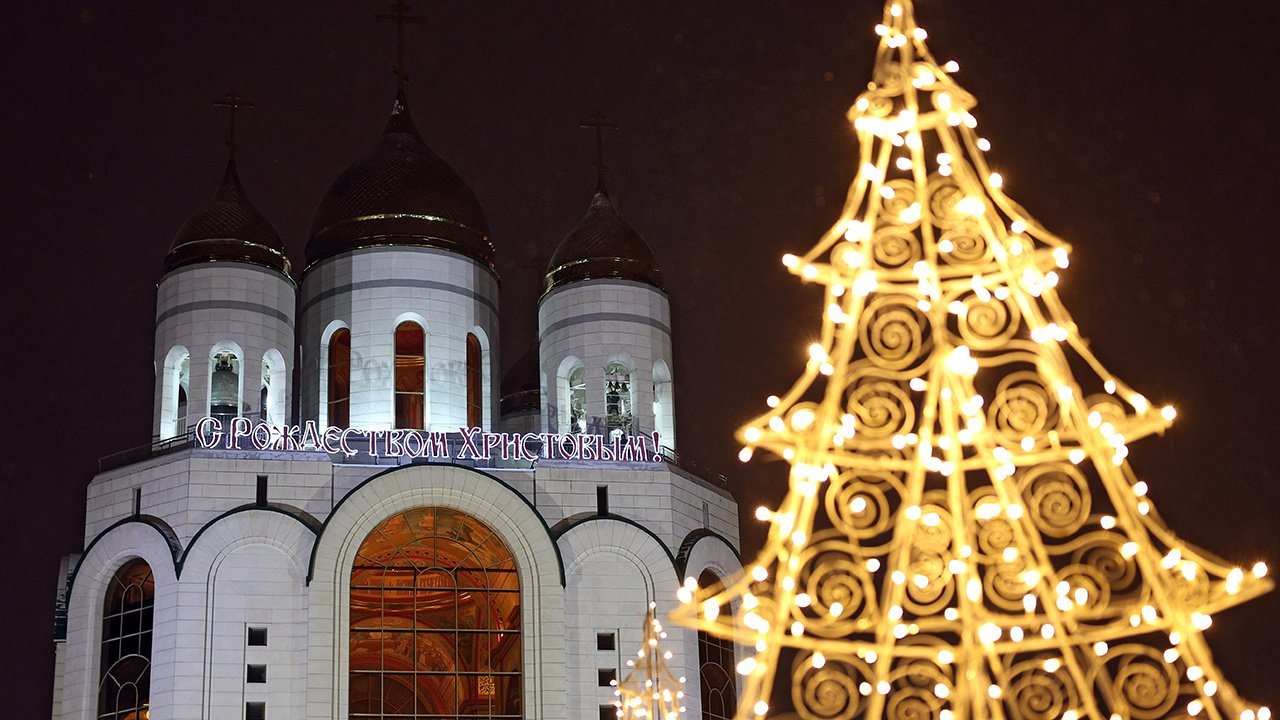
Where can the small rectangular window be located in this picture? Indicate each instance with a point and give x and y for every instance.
(137, 502)
(602, 499)
(257, 637)
(606, 676)
(255, 711)
(256, 674)
(604, 641)
(262, 491)
(608, 712)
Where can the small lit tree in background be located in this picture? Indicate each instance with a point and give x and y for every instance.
(650, 691)
(962, 537)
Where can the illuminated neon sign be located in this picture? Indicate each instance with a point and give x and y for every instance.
(469, 443)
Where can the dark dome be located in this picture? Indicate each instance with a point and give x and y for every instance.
(602, 246)
(230, 228)
(400, 194)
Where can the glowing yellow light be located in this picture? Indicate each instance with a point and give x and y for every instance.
(939, 276)
(971, 205)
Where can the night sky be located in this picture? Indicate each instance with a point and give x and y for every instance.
(1139, 131)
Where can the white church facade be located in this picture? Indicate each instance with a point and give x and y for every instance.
(347, 514)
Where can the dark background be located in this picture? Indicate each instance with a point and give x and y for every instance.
(1139, 131)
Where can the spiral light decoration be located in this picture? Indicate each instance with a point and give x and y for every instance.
(650, 691)
(963, 536)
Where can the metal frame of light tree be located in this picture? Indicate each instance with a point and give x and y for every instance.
(650, 690)
(962, 537)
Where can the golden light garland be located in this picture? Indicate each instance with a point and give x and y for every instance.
(650, 691)
(962, 537)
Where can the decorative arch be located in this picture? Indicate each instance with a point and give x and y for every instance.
(571, 396)
(478, 380)
(145, 539)
(718, 688)
(226, 380)
(479, 495)
(274, 394)
(409, 407)
(711, 559)
(619, 396)
(608, 556)
(175, 388)
(434, 619)
(664, 404)
(335, 375)
(128, 616)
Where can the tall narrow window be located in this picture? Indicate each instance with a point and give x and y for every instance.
(264, 397)
(578, 400)
(664, 405)
(184, 380)
(435, 620)
(340, 378)
(411, 377)
(715, 667)
(224, 386)
(124, 692)
(617, 399)
(475, 391)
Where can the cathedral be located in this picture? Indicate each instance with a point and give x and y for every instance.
(347, 513)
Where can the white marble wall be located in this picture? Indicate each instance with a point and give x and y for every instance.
(200, 306)
(250, 567)
(594, 322)
(370, 291)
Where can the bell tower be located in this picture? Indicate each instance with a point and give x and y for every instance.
(604, 327)
(224, 312)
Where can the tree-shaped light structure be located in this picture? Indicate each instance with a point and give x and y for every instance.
(650, 691)
(962, 536)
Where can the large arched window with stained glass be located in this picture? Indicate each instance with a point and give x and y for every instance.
(124, 690)
(716, 665)
(435, 620)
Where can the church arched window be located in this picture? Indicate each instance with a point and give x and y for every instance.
(578, 400)
(271, 408)
(339, 397)
(475, 382)
(224, 382)
(411, 375)
(716, 666)
(664, 411)
(183, 382)
(435, 620)
(173, 392)
(617, 399)
(124, 692)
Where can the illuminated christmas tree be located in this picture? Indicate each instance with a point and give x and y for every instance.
(963, 536)
(650, 690)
